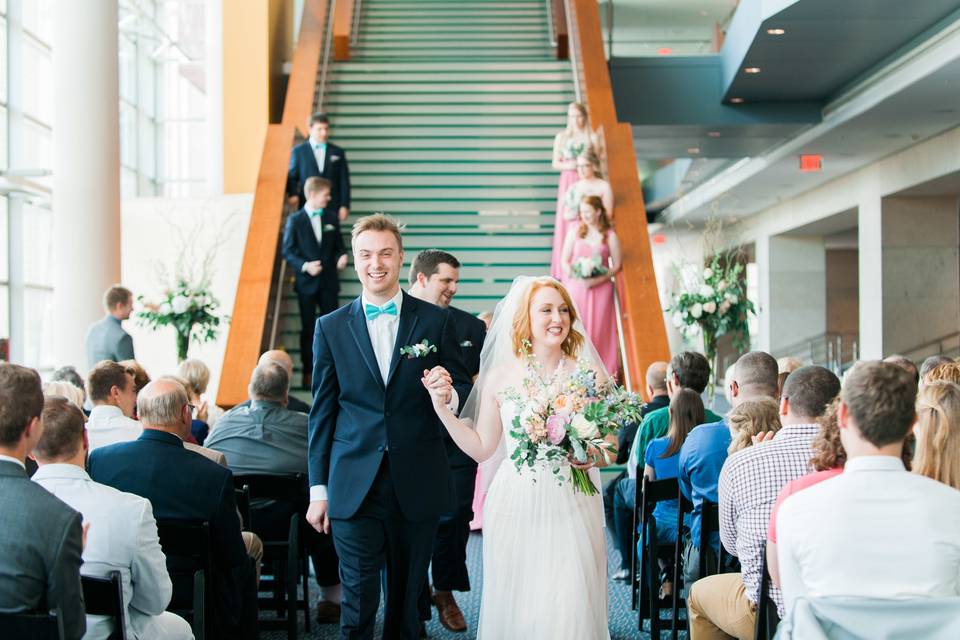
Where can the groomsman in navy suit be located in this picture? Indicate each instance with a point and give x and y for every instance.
(434, 276)
(313, 247)
(379, 475)
(318, 157)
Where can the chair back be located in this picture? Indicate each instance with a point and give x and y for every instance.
(242, 495)
(652, 492)
(291, 491)
(709, 524)
(188, 549)
(32, 626)
(104, 597)
(767, 618)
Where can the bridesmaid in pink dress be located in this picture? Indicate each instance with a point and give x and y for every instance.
(568, 145)
(593, 241)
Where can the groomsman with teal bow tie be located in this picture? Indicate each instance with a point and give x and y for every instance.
(313, 247)
(317, 156)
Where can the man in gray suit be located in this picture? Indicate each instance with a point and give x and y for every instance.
(40, 537)
(106, 339)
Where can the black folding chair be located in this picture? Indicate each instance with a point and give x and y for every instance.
(284, 557)
(767, 615)
(709, 524)
(652, 492)
(189, 562)
(242, 494)
(104, 597)
(32, 626)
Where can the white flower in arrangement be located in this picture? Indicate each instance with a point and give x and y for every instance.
(721, 285)
(180, 304)
(696, 310)
(706, 291)
(584, 428)
(165, 308)
(724, 307)
(707, 273)
(710, 307)
(732, 298)
(677, 320)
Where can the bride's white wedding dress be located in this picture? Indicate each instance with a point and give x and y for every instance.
(544, 555)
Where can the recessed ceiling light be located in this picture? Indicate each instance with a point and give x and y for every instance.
(751, 70)
(776, 32)
(693, 150)
(664, 51)
(713, 134)
(736, 100)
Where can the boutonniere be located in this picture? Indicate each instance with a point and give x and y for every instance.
(334, 158)
(329, 227)
(466, 343)
(418, 350)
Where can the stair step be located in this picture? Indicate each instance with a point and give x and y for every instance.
(422, 88)
(520, 30)
(347, 75)
(459, 181)
(418, 206)
(440, 110)
(347, 132)
(487, 37)
(408, 155)
(469, 220)
(338, 98)
(462, 143)
(410, 67)
(367, 169)
(556, 120)
(473, 51)
(476, 194)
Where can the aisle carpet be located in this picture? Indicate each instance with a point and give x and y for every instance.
(623, 621)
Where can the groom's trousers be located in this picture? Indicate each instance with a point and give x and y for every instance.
(379, 536)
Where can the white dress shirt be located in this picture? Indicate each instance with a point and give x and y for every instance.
(19, 462)
(320, 153)
(122, 537)
(875, 530)
(108, 425)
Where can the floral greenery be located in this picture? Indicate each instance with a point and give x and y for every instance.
(418, 350)
(190, 309)
(588, 267)
(715, 304)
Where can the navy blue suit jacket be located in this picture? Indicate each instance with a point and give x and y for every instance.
(303, 165)
(300, 246)
(356, 419)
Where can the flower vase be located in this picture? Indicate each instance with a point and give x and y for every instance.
(710, 351)
(183, 345)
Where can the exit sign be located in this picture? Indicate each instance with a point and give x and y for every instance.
(811, 162)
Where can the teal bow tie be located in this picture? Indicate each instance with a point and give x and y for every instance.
(314, 214)
(373, 311)
(320, 147)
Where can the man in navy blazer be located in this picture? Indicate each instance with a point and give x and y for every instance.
(434, 276)
(377, 461)
(184, 486)
(318, 157)
(313, 247)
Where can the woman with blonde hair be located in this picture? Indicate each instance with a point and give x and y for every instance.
(591, 183)
(66, 390)
(568, 145)
(937, 454)
(751, 419)
(196, 376)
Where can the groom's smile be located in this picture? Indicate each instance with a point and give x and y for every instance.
(377, 256)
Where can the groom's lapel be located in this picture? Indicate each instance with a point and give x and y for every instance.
(358, 328)
(408, 321)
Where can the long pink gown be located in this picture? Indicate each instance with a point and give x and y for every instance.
(596, 306)
(561, 225)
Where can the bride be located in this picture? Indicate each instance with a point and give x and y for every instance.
(544, 550)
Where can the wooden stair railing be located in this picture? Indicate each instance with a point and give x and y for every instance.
(342, 27)
(644, 333)
(249, 326)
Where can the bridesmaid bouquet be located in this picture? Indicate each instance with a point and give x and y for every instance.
(588, 267)
(557, 420)
(574, 148)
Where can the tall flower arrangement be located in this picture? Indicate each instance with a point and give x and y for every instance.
(189, 308)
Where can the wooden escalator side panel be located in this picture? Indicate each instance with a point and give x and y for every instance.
(248, 325)
(645, 335)
(342, 26)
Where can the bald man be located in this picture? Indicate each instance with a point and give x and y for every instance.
(284, 360)
(199, 490)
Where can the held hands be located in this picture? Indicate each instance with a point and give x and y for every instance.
(439, 385)
(314, 268)
(317, 515)
(342, 263)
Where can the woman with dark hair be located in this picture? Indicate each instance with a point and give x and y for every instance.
(662, 461)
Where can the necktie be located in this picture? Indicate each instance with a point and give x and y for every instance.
(373, 311)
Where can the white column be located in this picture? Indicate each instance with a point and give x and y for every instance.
(793, 290)
(762, 256)
(86, 169)
(870, 252)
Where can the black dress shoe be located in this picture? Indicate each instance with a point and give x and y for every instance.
(328, 612)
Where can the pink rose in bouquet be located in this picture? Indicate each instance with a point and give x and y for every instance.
(556, 429)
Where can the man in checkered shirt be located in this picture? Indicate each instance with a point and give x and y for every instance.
(723, 605)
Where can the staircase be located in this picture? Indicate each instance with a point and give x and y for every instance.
(447, 111)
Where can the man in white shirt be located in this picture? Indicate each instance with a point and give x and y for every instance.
(122, 534)
(875, 530)
(111, 389)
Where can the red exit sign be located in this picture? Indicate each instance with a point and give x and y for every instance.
(811, 162)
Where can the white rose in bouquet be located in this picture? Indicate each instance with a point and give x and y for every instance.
(584, 428)
(180, 304)
(710, 307)
(707, 273)
(165, 308)
(706, 291)
(696, 310)
(677, 320)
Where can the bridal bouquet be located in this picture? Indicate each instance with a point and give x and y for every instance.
(588, 267)
(561, 419)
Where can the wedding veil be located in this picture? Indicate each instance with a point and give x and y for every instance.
(498, 350)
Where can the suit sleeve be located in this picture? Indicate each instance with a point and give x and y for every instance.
(322, 421)
(125, 348)
(625, 442)
(291, 252)
(451, 358)
(340, 248)
(152, 588)
(293, 175)
(344, 180)
(63, 588)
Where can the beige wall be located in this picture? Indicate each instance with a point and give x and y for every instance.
(843, 305)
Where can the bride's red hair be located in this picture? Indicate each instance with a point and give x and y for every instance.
(521, 320)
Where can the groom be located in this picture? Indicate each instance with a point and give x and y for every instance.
(379, 476)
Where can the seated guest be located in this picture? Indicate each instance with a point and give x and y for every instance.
(705, 450)
(874, 530)
(196, 376)
(110, 387)
(284, 360)
(65, 390)
(750, 421)
(267, 438)
(904, 363)
(140, 379)
(40, 536)
(122, 535)
(183, 486)
(785, 366)
(932, 363)
(750, 481)
(937, 454)
(71, 375)
(948, 371)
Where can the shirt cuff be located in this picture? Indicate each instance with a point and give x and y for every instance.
(303, 269)
(454, 403)
(318, 492)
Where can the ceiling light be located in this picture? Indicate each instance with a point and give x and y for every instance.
(751, 70)
(713, 134)
(736, 100)
(693, 150)
(776, 32)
